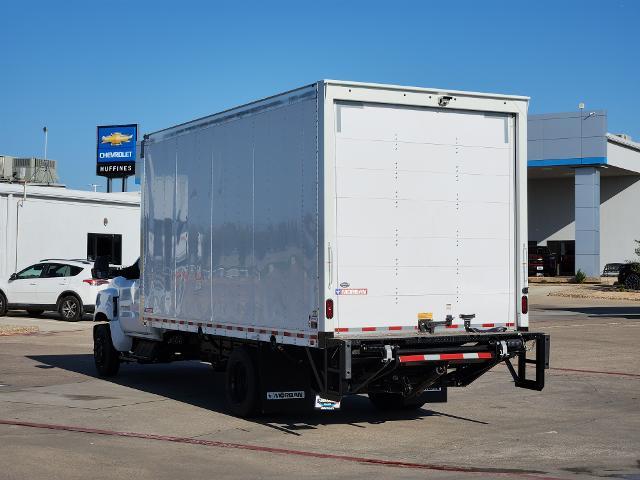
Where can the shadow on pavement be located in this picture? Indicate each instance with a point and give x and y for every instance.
(196, 383)
(45, 316)
(632, 313)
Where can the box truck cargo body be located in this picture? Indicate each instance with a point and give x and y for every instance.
(360, 237)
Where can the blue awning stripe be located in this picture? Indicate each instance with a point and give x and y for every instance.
(563, 162)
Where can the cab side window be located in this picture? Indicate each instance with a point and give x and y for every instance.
(34, 271)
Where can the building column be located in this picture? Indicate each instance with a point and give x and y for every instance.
(587, 214)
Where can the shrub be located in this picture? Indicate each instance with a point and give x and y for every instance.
(580, 276)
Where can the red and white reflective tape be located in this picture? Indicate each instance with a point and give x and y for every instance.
(238, 331)
(414, 328)
(392, 328)
(439, 357)
(484, 325)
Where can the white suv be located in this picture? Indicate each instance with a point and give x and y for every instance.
(65, 286)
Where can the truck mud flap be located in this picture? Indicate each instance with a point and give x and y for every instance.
(284, 382)
(434, 395)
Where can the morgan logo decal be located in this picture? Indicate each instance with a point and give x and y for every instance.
(345, 285)
(352, 291)
(148, 310)
(285, 395)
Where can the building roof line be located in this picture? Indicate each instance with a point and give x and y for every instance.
(122, 198)
(627, 143)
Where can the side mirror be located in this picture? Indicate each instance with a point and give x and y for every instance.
(13, 276)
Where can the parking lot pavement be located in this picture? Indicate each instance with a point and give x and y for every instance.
(57, 420)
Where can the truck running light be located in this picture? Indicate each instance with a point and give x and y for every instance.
(328, 308)
(525, 304)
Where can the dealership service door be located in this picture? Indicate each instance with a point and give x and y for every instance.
(425, 215)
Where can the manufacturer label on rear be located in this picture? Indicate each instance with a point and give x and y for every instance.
(285, 395)
(352, 291)
(324, 404)
(425, 316)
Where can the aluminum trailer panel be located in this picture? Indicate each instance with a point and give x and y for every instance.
(230, 225)
(254, 217)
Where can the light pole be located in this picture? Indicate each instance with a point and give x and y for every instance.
(44, 129)
(581, 108)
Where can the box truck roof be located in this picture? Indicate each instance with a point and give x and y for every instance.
(344, 83)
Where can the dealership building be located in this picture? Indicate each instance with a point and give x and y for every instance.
(38, 222)
(583, 189)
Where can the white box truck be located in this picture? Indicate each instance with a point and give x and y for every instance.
(341, 238)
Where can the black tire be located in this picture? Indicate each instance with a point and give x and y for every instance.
(241, 383)
(70, 308)
(35, 312)
(394, 401)
(3, 305)
(105, 357)
(632, 281)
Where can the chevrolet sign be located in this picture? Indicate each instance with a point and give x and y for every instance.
(116, 150)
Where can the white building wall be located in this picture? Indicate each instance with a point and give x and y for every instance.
(619, 218)
(623, 156)
(57, 227)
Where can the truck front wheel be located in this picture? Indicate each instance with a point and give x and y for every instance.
(241, 383)
(106, 358)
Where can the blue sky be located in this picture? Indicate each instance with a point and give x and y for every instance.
(74, 65)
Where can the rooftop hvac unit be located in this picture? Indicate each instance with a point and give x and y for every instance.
(34, 170)
(6, 168)
(624, 136)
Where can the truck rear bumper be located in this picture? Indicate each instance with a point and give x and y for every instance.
(404, 364)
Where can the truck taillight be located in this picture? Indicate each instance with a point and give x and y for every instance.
(95, 281)
(328, 308)
(525, 304)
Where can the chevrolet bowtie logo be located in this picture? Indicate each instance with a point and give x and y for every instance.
(116, 139)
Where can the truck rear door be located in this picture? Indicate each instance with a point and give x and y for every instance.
(425, 217)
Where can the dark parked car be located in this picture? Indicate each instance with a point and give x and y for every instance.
(629, 275)
(542, 262)
(612, 269)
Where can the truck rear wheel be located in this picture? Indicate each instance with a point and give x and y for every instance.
(241, 383)
(106, 358)
(394, 401)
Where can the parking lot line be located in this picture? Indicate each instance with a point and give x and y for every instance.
(283, 451)
(595, 371)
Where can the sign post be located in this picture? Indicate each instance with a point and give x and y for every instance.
(116, 152)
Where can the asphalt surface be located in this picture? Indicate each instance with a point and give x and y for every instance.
(57, 420)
